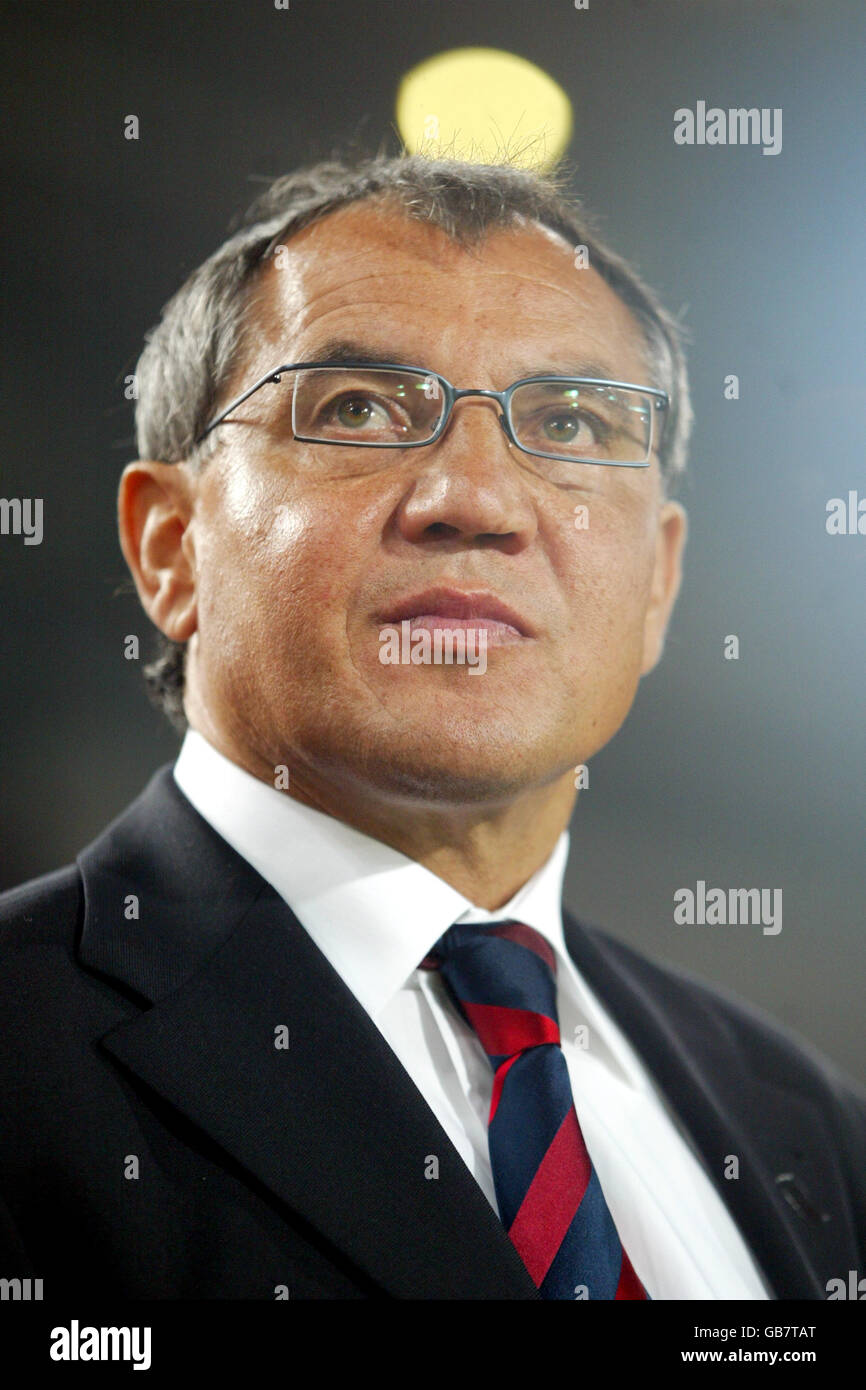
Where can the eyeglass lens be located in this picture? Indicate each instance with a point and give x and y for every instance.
(377, 406)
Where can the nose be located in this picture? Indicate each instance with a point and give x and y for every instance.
(488, 396)
(468, 490)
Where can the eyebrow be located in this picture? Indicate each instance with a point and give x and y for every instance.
(337, 351)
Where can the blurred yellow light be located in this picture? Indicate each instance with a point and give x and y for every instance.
(485, 106)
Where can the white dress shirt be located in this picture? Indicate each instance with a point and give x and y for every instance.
(376, 914)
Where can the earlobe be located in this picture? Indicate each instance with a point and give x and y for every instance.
(154, 512)
(666, 579)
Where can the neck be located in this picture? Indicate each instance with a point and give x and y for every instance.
(487, 851)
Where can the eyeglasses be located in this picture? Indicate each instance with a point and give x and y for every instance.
(358, 405)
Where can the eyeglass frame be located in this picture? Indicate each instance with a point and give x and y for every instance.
(661, 401)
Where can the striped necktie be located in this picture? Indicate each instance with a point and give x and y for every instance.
(549, 1196)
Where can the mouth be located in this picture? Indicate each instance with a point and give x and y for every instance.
(458, 609)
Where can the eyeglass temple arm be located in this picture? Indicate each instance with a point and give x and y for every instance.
(239, 400)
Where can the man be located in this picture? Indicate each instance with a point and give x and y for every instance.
(307, 1020)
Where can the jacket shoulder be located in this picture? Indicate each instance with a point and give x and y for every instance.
(44, 910)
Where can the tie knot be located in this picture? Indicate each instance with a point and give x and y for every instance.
(502, 978)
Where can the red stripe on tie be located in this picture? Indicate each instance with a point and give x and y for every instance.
(530, 938)
(505, 1031)
(498, 1082)
(553, 1197)
(629, 1285)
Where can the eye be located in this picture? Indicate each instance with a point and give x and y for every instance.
(562, 427)
(356, 411)
(352, 413)
(579, 427)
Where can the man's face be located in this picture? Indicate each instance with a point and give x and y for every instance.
(299, 561)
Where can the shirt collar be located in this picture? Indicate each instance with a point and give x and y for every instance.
(373, 912)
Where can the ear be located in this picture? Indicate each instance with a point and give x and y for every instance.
(666, 578)
(154, 510)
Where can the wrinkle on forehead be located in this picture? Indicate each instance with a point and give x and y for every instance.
(323, 268)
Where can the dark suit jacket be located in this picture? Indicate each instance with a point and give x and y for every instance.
(303, 1168)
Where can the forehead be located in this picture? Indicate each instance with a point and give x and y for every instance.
(511, 305)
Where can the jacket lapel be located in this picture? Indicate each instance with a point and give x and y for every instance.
(211, 962)
(331, 1124)
(727, 1108)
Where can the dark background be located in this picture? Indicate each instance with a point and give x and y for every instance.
(745, 774)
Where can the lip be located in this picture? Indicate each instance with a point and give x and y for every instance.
(466, 607)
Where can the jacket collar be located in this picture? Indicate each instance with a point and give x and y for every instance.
(214, 963)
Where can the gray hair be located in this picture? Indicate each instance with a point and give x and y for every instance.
(190, 354)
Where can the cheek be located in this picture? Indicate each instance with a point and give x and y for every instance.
(609, 572)
(274, 574)
(312, 561)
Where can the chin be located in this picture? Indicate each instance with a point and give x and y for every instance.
(455, 759)
(420, 783)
